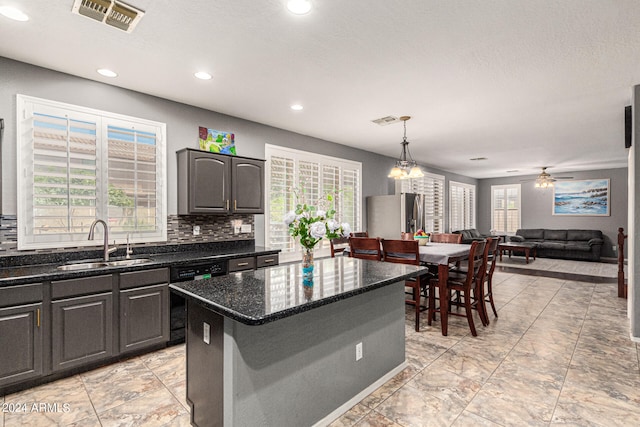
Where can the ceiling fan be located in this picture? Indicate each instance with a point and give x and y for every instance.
(544, 179)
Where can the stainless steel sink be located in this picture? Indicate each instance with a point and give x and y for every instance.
(83, 266)
(125, 262)
(102, 264)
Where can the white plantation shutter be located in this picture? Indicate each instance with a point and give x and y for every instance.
(81, 164)
(431, 186)
(505, 208)
(462, 206)
(287, 170)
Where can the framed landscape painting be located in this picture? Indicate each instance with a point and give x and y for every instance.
(587, 197)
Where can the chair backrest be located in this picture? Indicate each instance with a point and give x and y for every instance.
(446, 238)
(400, 251)
(365, 248)
(491, 254)
(477, 265)
(338, 245)
(359, 234)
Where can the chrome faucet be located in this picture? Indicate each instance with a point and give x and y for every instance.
(129, 250)
(107, 249)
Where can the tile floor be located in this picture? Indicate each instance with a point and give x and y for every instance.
(559, 354)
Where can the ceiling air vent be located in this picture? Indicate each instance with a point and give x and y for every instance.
(110, 12)
(386, 120)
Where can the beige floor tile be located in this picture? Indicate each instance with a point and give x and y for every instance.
(390, 387)
(375, 419)
(408, 407)
(352, 416)
(445, 386)
(179, 391)
(61, 402)
(155, 408)
(116, 384)
(467, 419)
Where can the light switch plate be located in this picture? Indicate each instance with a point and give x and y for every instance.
(196, 230)
(245, 228)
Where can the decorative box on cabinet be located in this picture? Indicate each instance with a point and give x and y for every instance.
(210, 183)
(20, 333)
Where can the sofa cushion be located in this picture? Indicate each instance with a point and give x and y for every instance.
(579, 247)
(584, 234)
(474, 233)
(531, 233)
(550, 244)
(555, 234)
(595, 242)
(516, 239)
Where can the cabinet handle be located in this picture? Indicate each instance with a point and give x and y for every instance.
(227, 204)
(242, 264)
(235, 204)
(268, 260)
(38, 317)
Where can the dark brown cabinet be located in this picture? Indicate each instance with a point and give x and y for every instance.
(211, 183)
(144, 309)
(20, 343)
(21, 333)
(82, 330)
(81, 321)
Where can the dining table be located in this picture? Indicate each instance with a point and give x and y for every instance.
(442, 255)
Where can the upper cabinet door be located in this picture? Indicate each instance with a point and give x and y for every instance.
(204, 185)
(247, 183)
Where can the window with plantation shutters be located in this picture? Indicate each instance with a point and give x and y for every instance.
(505, 208)
(81, 164)
(462, 206)
(431, 186)
(312, 176)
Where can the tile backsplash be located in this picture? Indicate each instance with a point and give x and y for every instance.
(213, 228)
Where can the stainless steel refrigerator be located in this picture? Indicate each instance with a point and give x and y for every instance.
(388, 216)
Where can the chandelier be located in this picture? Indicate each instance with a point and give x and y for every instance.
(405, 167)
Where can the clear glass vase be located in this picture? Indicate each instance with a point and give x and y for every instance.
(307, 266)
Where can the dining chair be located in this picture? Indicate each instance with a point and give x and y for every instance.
(491, 255)
(467, 284)
(359, 234)
(365, 248)
(446, 238)
(338, 245)
(407, 252)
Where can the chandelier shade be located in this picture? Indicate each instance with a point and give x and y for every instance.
(405, 167)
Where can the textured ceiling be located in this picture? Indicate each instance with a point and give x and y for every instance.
(523, 83)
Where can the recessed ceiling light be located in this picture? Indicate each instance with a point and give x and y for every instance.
(299, 7)
(297, 107)
(13, 13)
(107, 73)
(475, 159)
(202, 75)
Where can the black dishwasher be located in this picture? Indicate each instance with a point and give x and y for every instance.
(181, 273)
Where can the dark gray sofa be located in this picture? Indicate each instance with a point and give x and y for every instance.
(566, 244)
(471, 235)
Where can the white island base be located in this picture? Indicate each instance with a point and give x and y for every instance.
(296, 371)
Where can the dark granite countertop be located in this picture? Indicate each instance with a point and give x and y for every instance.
(272, 293)
(33, 269)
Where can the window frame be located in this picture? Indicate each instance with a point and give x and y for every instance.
(469, 205)
(504, 188)
(26, 107)
(293, 250)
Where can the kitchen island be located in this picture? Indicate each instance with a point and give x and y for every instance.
(262, 349)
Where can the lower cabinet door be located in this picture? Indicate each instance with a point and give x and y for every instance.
(20, 343)
(144, 317)
(82, 330)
